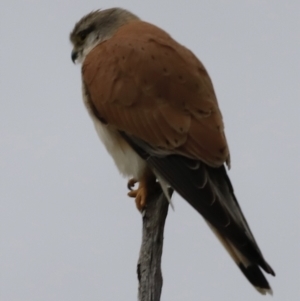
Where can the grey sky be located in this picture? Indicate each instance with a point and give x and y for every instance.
(68, 230)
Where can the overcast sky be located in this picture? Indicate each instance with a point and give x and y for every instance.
(68, 230)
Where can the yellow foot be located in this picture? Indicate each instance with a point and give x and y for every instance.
(140, 196)
(147, 184)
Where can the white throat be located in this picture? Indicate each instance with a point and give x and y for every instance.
(91, 44)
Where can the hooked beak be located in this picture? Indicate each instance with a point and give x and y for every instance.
(74, 56)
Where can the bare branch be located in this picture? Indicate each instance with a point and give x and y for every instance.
(149, 263)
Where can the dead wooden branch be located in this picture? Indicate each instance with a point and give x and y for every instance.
(149, 263)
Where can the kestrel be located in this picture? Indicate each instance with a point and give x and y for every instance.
(154, 107)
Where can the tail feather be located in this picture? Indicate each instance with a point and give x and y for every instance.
(250, 270)
(210, 192)
(256, 278)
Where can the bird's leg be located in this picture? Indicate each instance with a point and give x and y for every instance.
(147, 184)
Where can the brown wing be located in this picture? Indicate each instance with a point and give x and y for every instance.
(153, 90)
(144, 83)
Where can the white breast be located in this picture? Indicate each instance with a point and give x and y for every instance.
(129, 163)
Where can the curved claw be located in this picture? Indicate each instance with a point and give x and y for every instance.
(146, 184)
(131, 183)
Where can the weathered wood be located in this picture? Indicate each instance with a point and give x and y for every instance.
(149, 263)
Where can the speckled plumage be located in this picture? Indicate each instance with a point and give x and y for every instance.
(155, 109)
(155, 89)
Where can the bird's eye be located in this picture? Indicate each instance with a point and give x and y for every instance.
(85, 32)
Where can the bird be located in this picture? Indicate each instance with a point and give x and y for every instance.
(154, 108)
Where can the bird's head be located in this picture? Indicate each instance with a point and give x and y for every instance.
(96, 27)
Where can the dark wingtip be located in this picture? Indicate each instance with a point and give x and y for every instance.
(256, 278)
(266, 267)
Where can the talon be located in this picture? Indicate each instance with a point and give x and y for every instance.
(132, 193)
(131, 183)
(140, 199)
(146, 185)
(140, 196)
